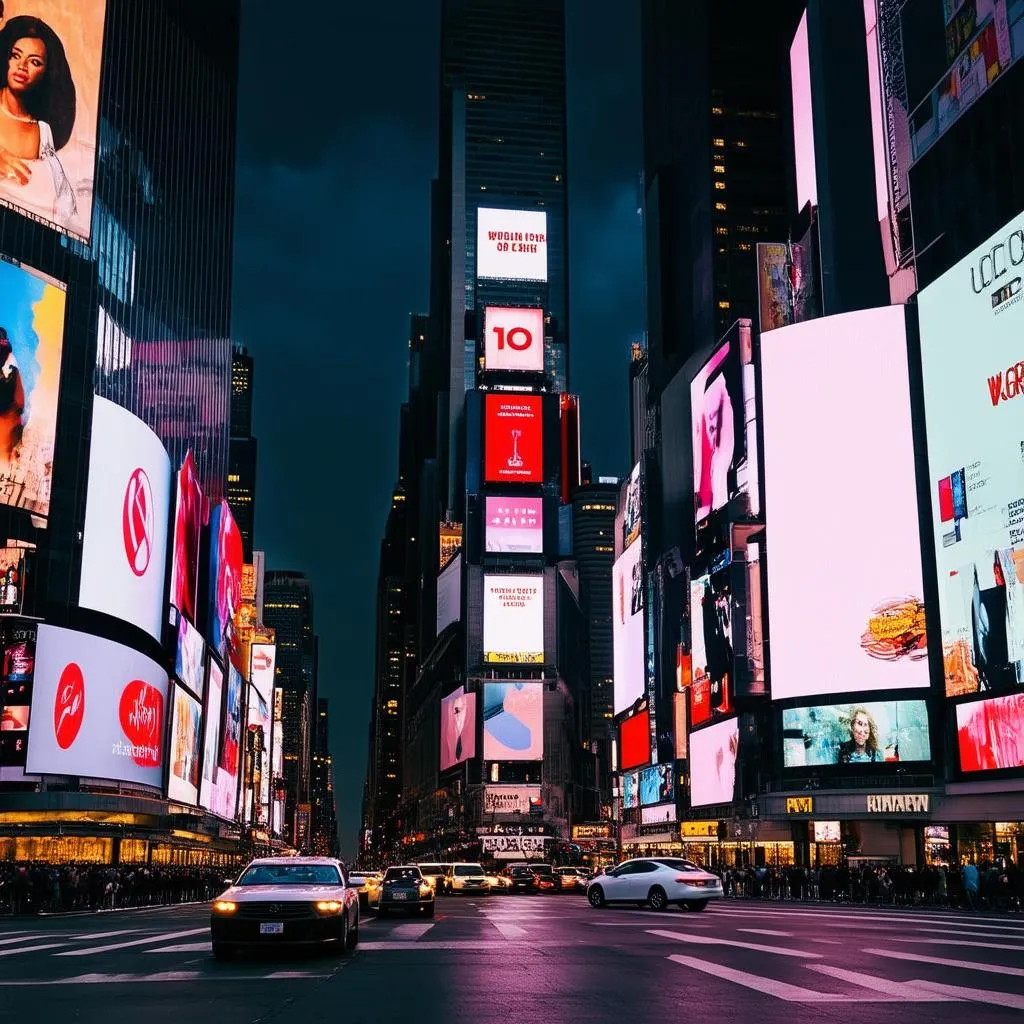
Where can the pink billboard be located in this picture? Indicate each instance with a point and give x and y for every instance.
(515, 526)
(458, 728)
(990, 733)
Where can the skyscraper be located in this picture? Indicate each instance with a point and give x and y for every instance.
(241, 482)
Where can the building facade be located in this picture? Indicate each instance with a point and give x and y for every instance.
(242, 448)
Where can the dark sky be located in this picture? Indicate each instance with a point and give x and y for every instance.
(337, 148)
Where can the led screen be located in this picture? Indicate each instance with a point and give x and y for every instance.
(186, 740)
(630, 790)
(515, 526)
(458, 728)
(513, 721)
(188, 662)
(214, 777)
(188, 524)
(263, 661)
(974, 461)
(635, 740)
(871, 733)
(449, 594)
(31, 348)
(631, 513)
(628, 628)
(845, 585)
(230, 749)
(827, 832)
(514, 441)
(53, 51)
(990, 733)
(679, 703)
(98, 709)
(713, 763)
(657, 784)
(785, 284)
(658, 814)
(18, 667)
(512, 245)
(513, 339)
(514, 619)
(711, 641)
(226, 558)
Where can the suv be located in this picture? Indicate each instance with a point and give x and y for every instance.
(521, 878)
(466, 878)
(572, 879)
(546, 879)
(434, 874)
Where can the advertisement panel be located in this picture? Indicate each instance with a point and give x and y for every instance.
(18, 666)
(188, 525)
(658, 814)
(458, 728)
(713, 763)
(261, 671)
(54, 53)
(514, 619)
(630, 790)
(511, 245)
(183, 781)
(515, 526)
(226, 558)
(631, 512)
(511, 799)
(679, 708)
(990, 733)
(974, 461)
(449, 594)
(231, 745)
(513, 339)
(124, 546)
(635, 741)
(711, 641)
(213, 718)
(31, 349)
(188, 661)
(657, 784)
(861, 625)
(871, 733)
(785, 284)
(514, 439)
(515, 847)
(513, 721)
(827, 832)
(13, 567)
(98, 709)
(628, 629)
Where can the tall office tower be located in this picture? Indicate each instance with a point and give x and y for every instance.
(324, 821)
(241, 482)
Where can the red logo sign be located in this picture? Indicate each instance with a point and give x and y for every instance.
(141, 712)
(69, 706)
(137, 522)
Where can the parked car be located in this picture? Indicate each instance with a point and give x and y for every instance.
(572, 879)
(405, 889)
(466, 878)
(521, 879)
(434, 874)
(367, 884)
(656, 882)
(545, 877)
(497, 883)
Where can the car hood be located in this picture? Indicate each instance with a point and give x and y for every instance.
(283, 893)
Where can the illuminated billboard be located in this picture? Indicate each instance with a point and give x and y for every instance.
(31, 349)
(186, 742)
(514, 526)
(974, 460)
(98, 709)
(679, 724)
(844, 593)
(188, 524)
(225, 594)
(513, 339)
(990, 733)
(711, 645)
(263, 662)
(868, 733)
(18, 667)
(188, 661)
(635, 740)
(514, 619)
(124, 547)
(657, 784)
(630, 790)
(628, 628)
(449, 594)
(53, 51)
(631, 513)
(514, 438)
(213, 777)
(713, 763)
(458, 728)
(511, 245)
(513, 721)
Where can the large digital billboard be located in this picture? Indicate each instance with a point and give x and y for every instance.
(711, 645)
(186, 744)
(226, 558)
(635, 740)
(845, 588)
(188, 660)
(263, 662)
(98, 709)
(713, 753)
(514, 526)
(628, 628)
(974, 415)
(513, 438)
(124, 548)
(657, 784)
(631, 512)
(513, 339)
(990, 733)
(458, 728)
(213, 776)
(188, 525)
(52, 53)
(513, 721)
(31, 348)
(511, 245)
(630, 790)
(16, 671)
(869, 733)
(449, 594)
(514, 619)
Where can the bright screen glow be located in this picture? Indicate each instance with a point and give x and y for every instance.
(514, 619)
(713, 763)
(514, 439)
(630, 790)
(513, 721)
(657, 784)
(188, 524)
(226, 559)
(990, 733)
(632, 512)
(628, 628)
(513, 339)
(186, 735)
(712, 651)
(515, 526)
(512, 245)
(458, 728)
(261, 672)
(635, 740)
(214, 777)
(803, 118)
(827, 832)
(188, 662)
(844, 598)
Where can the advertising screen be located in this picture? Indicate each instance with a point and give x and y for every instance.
(31, 348)
(13, 563)
(213, 775)
(713, 763)
(974, 461)
(449, 594)
(785, 284)
(124, 548)
(659, 814)
(635, 741)
(188, 524)
(261, 671)
(514, 619)
(873, 733)
(186, 738)
(630, 790)
(53, 51)
(18, 667)
(845, 598)
(514, 439)
(628, 628)
(230, 750)
(631, 512)
(188, 662)
(513, 721)
(458, 728)
(679, 706)
(657, 784)
(711, 639)
(513, 339)
(515, 526)
(511, 245)
(98, 709)
(827, 832)
(511, 799)
(990, 733)
(226, 558)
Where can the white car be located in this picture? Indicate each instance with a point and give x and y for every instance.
(466, 878)
(656, 881)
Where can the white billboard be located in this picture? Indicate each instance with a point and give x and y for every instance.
(98, 709)
(514, 619)
(510, 799)
(449, 594)
(513, 339)
(186, 747)
(515, 847)
(124, 548)
(512, 245)
(188, 660)
(263, 661)
(211, 737)
(628, 628)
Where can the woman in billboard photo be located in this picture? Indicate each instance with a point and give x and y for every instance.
(863, 744)
(12, 400)
(714, 447)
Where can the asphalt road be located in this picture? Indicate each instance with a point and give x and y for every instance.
(531, 960)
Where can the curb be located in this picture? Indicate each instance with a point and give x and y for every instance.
(105, 910)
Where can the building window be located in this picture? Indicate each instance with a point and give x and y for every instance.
(721, 229)
(720, 185)
(721, 206)
(719, 168)
(718, 143)
(724, 304)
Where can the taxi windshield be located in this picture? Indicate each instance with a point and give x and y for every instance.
(290, 874)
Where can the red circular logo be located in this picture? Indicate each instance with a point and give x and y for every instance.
(69, 706)
(137, 522)
(141, 711)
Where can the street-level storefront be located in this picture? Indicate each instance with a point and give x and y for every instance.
(596, 844)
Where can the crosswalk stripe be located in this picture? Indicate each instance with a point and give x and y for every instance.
(993, 932)
(509, 930)
(185, 947)
(977, 995)
(904, 991)
(106, 935)
(32, 949)
(148, 940)
(970, 965)
(161, 976)
(22, 938)
(925, 916)
(957, 942)
(414, 930)
(709, 940)
(765, 931)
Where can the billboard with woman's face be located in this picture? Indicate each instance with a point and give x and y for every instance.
(50, 59)
(458, 728)
(226, 558)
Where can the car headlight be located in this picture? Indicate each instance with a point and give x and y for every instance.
(328, 907)
(224, 907)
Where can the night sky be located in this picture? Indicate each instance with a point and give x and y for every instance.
(337, 149)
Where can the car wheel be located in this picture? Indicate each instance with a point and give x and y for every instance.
(343, 939)
(656, 898)
(353, 936)
(595, 896)
(695, 905)
(222, 951)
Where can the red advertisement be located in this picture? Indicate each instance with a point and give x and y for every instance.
(635, 741)
(514, 439)
(226, 558)
(700, 701)
(990, 733)
(188, 522)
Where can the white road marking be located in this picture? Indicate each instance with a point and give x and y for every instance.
(162, 976)
(30, 937)
(413, 930)
(904, 991)
(959, 942)
(885, 917)
(185, 947)
(509, 930)
(766, 931)
(708, 940)
(977, 995)
(994, 932)
(149, 940)
(33, 949)
(892, 954)
(106, 935)
(473, 944)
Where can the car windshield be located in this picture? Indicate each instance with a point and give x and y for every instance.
(521, 871)
(680, 865)
(402, 874)
(290, 874)
(543, 869)
(432, 869)
(469, 869)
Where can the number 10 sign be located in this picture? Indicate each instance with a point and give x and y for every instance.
(514, 339)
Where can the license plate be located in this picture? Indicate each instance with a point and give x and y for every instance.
(401, 895)
(272, 928)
